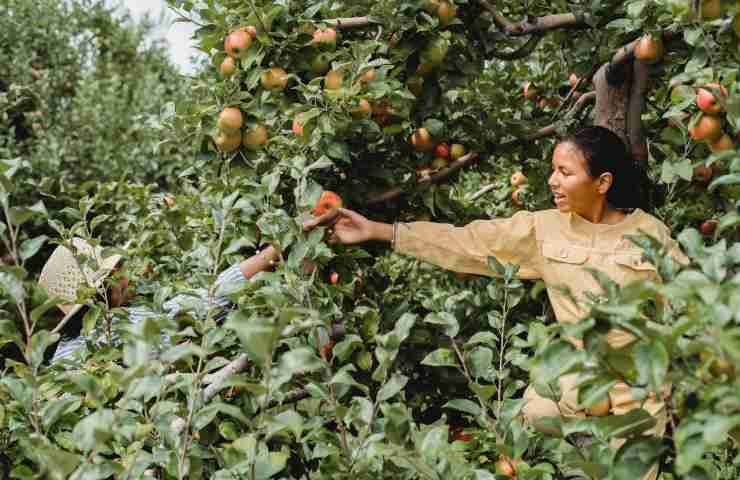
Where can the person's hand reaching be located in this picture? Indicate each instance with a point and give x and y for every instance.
(349, 228)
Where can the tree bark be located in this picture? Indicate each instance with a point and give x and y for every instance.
(611, 101)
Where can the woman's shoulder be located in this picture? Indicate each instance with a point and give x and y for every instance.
(649, 223)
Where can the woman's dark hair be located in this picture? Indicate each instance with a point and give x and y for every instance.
(604, 152)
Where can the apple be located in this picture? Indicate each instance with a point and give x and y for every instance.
(506, 466)
(649, 49)
(326, 350)
(251, 30)
(424, 69)
(702, 174)
(600, 408)
(439, 163)
(456, 151)
(435, 52)
(442, 150)
(415, 84)
(363, 109)
(327, 38)
(320, 64)
(228, 142)
(230, 119)
(368, 75)
(327, 202)
(724, 143)
(718, 366)
(573, 80)
(710, 9)
(297, 127)
(274, 79)
(334, 278)
(256, 136)
(169, 201)
(530, 91)
(35, 74)
(431, 6)
(333, 80)
(708, 128)
(708, 226)
(707, 102)
(517, 179)
(237, 43)
(446, 13)
(228, 67)
(422, 140)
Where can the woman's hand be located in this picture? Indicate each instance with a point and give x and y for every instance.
(348, 227)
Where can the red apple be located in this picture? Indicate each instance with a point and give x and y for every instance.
(709, 226)
(442, 150)
(649, 49)
(706, 100)
(237, 43)
(230, 119)
(724, 143)
(228, 67)
(708, 128)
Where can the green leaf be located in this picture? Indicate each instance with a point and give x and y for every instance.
(41, 341)
(447, 320)
(442, 357)
(394, 385)
(95, 430)
(30, 247)
(557, 359)
(257, 334)
(56, 409)
(480, 362)
(206, 415)
(182, 351)
(632, 423)
(651, 360)
(464, 405)
(636, 457)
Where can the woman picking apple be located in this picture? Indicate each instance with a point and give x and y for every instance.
(595, 187)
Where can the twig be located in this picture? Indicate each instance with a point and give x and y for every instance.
(352, 22)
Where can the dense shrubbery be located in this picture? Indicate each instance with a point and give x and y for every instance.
(425, 380)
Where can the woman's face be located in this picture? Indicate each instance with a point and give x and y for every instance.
(572, 186)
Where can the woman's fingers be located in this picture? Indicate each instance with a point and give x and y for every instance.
(322, 220)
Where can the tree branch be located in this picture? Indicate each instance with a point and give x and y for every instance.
(352, 22)
(534, 25)
(473, 157)
(443, 174)
(521, 52)
(635, 133)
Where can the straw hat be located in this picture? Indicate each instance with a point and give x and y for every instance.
(61, 275)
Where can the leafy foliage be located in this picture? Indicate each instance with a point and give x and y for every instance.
(427, 379)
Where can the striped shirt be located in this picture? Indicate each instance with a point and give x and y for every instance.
(227, 282)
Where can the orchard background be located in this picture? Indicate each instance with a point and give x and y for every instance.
(369, 365)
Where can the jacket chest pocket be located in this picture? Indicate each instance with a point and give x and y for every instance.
(564, 266)
(632, 267)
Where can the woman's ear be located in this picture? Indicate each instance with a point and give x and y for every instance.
(606, 180)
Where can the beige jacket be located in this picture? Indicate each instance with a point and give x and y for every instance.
(548, 245)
